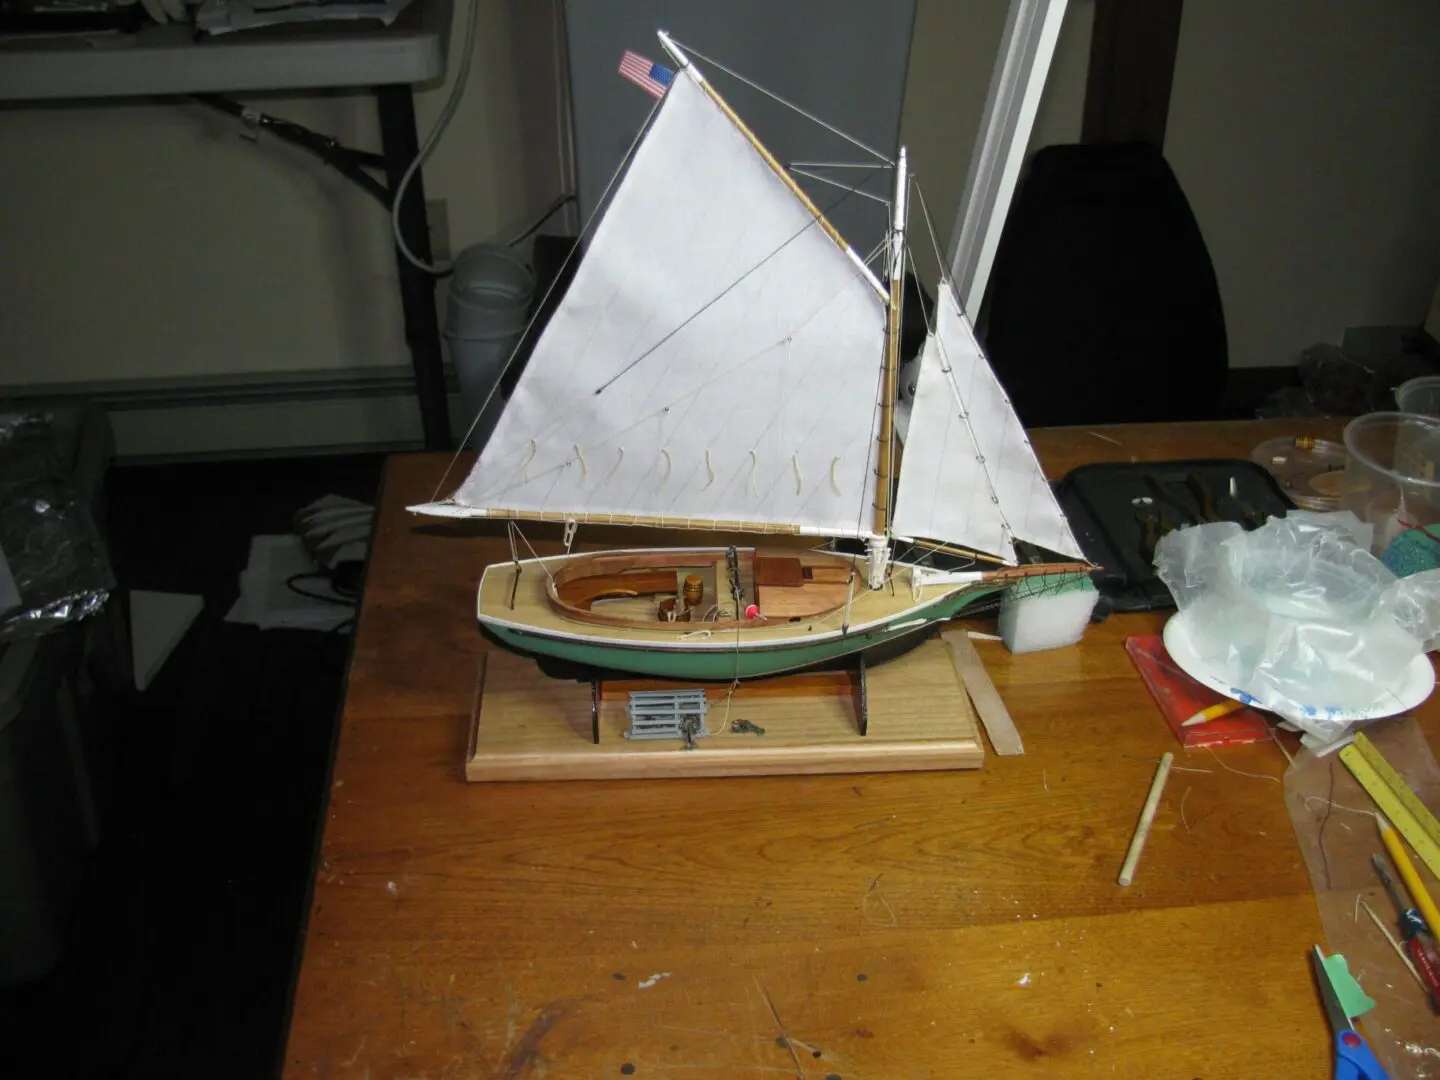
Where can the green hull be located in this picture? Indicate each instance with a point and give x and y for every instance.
(719, 664)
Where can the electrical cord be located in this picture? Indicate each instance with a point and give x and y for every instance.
(344, 599)
(534, 227)
(353, 163)
(447, 113)
(349, 163)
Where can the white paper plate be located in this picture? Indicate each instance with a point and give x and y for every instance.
(1419, 679)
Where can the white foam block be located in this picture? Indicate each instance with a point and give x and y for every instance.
(1046, 620)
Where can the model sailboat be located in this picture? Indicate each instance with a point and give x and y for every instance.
(723, 360)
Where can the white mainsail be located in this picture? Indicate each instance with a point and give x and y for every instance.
(715, 362)
(969, 475)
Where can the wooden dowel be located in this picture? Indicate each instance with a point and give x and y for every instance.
(1147, 818)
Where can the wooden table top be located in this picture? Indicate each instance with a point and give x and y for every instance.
(870, 926)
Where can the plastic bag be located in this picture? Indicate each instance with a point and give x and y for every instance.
(1299, 615)
(60, 567)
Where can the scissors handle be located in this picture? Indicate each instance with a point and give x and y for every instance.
(1353, 1059)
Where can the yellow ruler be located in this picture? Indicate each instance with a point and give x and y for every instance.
(1396, 801)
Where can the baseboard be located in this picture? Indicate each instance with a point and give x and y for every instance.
(369, 409)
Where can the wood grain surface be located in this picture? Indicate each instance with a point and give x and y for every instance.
(883, 925)
(528, 727)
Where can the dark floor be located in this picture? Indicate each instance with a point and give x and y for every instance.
(182, 947)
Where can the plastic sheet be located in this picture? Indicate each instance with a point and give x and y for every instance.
(55, 553)
(1299, 614)
(1337, 834)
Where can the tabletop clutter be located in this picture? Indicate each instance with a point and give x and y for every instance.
(1306, 588)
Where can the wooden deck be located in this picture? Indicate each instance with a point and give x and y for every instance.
(533, 608)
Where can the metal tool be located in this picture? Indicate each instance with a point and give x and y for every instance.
(1171, 495)
(1157, 522)
(1418, 942)
(1204, 497)
(739, 726)
(1353, 1057)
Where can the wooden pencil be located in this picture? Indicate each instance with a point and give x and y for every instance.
(1408, 874)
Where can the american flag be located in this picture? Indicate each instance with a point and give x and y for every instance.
(650, 77)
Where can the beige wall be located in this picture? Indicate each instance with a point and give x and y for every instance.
(1306, 134)
(951, 60)
(150, 240)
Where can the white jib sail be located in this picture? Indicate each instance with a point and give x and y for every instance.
(969, 475)
(716, 358)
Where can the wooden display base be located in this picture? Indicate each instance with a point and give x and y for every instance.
(529, 727)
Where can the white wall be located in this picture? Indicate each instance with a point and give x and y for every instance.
(1306, 134)
(951, 60)
(147, 239)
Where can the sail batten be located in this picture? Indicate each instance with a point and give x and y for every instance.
(712, 361)
(969, 475)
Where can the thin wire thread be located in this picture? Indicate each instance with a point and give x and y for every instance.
(555, 423)
(535, 554)
(796, 170)
(836, 165)
(788, 104)
(930, 227)
(727, 290)
(540, 307)
(931, 324)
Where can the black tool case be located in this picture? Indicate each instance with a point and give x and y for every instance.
(1117, 527)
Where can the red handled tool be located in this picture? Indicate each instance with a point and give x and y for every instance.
(1418, 942)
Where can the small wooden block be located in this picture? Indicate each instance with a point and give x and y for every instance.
(808, 601)
(993, 714)
(781, 571)
(529, 727)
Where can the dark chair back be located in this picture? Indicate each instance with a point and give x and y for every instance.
(1103, 305)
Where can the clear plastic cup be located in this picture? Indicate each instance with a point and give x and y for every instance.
(1392, 472)
(1420, 395)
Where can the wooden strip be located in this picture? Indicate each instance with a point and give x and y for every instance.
(952, 549)
(1147, 819)
(1002, 731)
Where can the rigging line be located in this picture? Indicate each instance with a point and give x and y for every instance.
(553, 423)
(841, 165)
(520, 533)
(964, 411)
(797, 383)
(930, 228)
(872, 442)
(727, 290)
(836, 183)
(690, 396)
(559, 277)
(788, 104)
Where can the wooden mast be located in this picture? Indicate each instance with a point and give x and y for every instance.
(890, 371)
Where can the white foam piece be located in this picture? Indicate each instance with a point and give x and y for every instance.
(158, 622)
(1046, 620)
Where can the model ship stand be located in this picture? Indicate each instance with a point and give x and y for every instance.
(911, 713)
